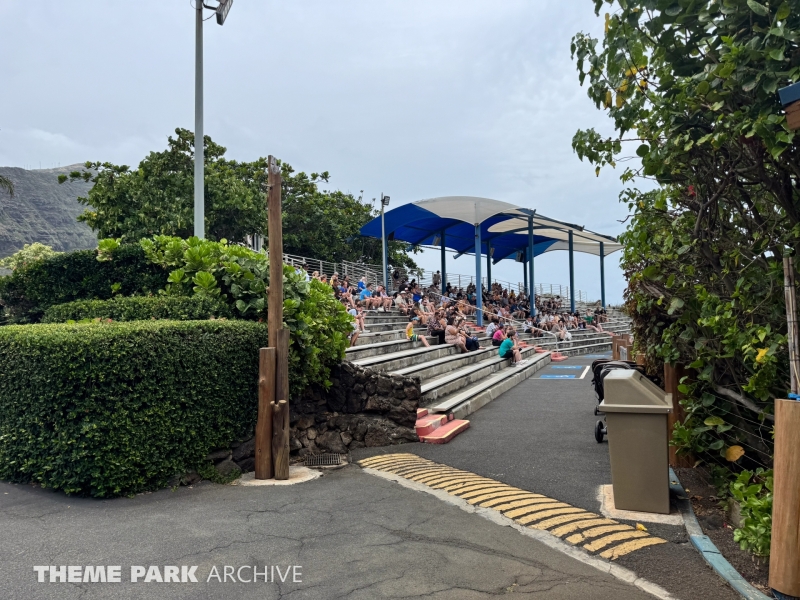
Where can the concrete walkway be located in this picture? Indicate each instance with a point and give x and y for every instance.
(539, 437)
(353, 535)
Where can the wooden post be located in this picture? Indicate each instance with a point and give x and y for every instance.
(784, 564)
(672, 378)
(280, 438)
(280, 421)
(278, 336)
(266, 397)
(275, 229)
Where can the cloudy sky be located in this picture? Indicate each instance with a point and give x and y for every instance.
(414, 99)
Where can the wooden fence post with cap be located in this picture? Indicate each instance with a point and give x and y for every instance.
(784, 564)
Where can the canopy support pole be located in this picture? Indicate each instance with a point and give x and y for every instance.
(478, 284)
(444, 266)
(489, 266)
(571, 275)
(602, 276)
(532, 293)
(525, 271)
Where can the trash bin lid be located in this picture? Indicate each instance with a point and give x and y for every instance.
(630, 391)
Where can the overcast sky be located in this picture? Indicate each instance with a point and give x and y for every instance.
(414, 99)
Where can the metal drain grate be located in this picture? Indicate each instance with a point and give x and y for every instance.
(324, 460)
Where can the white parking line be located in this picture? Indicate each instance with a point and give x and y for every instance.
(585, 371)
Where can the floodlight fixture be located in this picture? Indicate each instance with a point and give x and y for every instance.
(222, 10)
(384, 200)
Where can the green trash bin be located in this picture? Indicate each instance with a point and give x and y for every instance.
(636, 417)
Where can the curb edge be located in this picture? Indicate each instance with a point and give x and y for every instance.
(703, 544)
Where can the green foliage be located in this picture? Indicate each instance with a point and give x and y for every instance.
(754, 493)
(320, 224)
(80, 275)
(139, 308)
(693, 87)
(29, 254)
(158, 199)
(115, 409)
(319, 324)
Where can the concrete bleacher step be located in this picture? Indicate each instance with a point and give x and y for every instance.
(405, 358)
(357, 352)
(456, 379)
(445, 363)
(445, 433)
(467, 400)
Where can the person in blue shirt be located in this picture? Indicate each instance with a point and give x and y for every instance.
(362, 283)
(509, 349)
(366, 297)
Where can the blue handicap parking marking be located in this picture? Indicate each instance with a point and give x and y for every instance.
(566, 367)
(557, 377)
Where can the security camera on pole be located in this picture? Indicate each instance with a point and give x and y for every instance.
(221, 10)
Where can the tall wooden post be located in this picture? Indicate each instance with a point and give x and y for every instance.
(275, 231)
(784, 564)
(278, 336)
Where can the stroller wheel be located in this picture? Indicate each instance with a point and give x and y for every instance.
(599, 432)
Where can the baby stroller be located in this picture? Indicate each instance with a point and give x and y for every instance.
(601, 368)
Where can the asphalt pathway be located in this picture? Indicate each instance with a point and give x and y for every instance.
(352, 534)
(539, 436)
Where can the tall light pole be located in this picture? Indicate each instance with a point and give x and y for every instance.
(385, 244)
(222, 10)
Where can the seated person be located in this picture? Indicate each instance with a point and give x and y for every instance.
(499, 336)
(401, 303)
(366, 299)
(492, 327)
(383, 300)
(413, 337)
(510, 349)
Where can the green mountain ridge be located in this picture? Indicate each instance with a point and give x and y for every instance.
(42, 210)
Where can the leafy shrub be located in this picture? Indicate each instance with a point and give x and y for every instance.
(213, 271)
(31, 290)
(138, 308)
(112, 409)
(319, 325)
(753, 491)
(29, 254)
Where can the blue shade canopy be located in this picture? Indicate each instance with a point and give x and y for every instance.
(503, 226)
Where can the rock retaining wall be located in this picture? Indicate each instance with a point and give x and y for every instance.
(362, 408)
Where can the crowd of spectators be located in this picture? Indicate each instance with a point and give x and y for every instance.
(444, 316)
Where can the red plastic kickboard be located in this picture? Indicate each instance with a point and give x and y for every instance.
(427, 425)
(422, 412)
(558, 357)
(445, 433)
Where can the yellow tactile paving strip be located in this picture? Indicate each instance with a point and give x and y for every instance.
(592, 532)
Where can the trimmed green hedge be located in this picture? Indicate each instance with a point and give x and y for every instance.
(109, 409)
(29, 291)
(139, 308)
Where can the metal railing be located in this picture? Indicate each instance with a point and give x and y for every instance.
(356, 271)
(459, 281)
